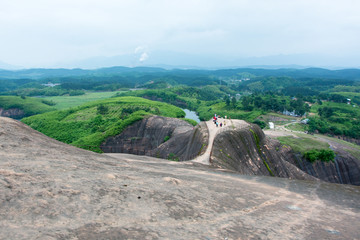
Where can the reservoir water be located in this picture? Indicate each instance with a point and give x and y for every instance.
(191, 115)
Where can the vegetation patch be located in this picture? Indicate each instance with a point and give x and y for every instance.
(206, 111)
(173, 157)
(303, 144)
(310, 148)
(64, 102)
(297, 127)
(29, 105)
(324, 155)
(87, 127)
(166, 138)
(260, 123)
(191, 121)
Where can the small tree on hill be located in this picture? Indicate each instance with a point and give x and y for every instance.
(233, 102)
(102, 110)
(227, 100)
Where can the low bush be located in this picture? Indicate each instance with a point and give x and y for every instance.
(260, 123)
(322, 155)
(191, 121)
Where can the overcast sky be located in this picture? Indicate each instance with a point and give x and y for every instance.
(43, 33)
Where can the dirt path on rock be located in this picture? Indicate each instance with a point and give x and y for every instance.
(213, 131)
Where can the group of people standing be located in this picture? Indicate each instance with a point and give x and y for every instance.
(217, 120)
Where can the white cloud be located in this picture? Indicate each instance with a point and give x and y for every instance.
(139, 49)
(144, 56)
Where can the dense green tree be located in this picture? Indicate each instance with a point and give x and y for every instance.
(233, 102)
(326, 112)
(260, 123)
(227, 100)
(102, 109)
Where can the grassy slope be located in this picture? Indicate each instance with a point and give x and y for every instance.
(63, 102)
(83, 126)
(303, 143)
(29, 105)
(297, 127)
(351, 148)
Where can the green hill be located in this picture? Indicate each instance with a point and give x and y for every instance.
(29, 105)
(88, 125)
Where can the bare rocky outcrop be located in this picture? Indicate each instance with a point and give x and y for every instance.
(160, 137)
(345, 169)
(239, 146)
(247, 151)
(15, 113)
(51, 190)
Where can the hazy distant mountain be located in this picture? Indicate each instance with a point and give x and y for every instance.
(7, 66)
(170, 60)
(163, 59)
(38, 73)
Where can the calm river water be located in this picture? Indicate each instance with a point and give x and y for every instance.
(191, 115)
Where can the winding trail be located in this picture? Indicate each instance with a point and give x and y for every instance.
(213, 131)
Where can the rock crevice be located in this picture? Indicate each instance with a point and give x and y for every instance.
(15, 113)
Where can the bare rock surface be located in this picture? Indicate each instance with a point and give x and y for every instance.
(246, 150)
(12, 113)
(50, 190)
(160, 137)
(345, 169)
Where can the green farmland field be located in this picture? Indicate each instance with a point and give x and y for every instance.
(63, 102)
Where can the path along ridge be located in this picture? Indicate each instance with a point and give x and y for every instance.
(228, 124)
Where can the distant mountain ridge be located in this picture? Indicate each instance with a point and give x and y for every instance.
(38, 73)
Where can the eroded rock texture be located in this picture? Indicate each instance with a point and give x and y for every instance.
(249, 152)
(160, 137)
(51, 190)
(12, 113)
(345, 169)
